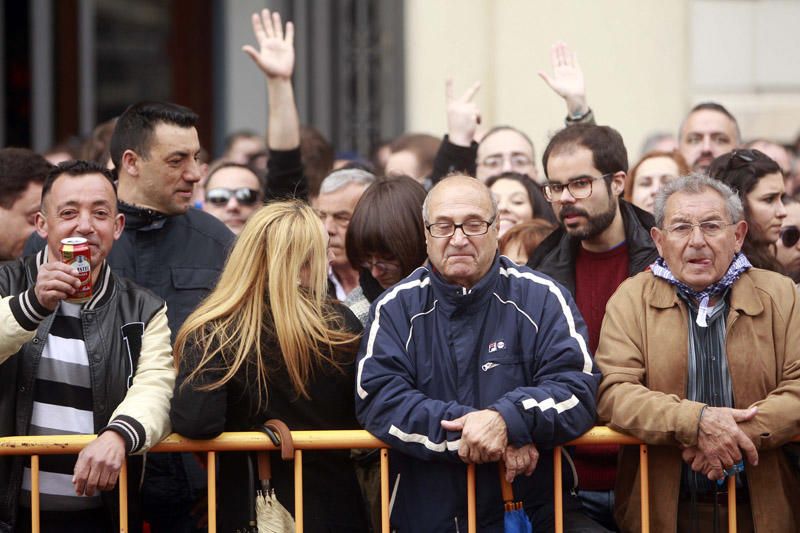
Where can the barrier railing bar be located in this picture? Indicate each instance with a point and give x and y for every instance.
(298, 491)
(644, 482)
(558, 501)
(34, 494)
(211, 465)
(472, 514)
(732, 504)
(384, 490)
(122, 483)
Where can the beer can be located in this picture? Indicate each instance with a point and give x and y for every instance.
(75, 252)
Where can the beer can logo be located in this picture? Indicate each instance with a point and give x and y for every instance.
(75, 252)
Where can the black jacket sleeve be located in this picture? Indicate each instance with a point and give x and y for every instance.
(285, 176)
(453, 158)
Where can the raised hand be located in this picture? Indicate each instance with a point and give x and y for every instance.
(567, 79)
(55, 281)
(275, 56)
(463, 115)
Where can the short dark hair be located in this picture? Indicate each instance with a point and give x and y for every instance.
(76, 168)
(317, 157)
(135, 127)
(608, 149)
(19, 167)
(387, 221)
(712, 106)
(539, 204)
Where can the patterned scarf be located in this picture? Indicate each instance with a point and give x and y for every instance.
(738, 266)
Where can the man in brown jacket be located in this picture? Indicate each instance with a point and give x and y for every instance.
(700, 358)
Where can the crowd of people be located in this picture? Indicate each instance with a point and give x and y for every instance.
(446, 296)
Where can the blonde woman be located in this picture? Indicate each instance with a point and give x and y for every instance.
(267, 343)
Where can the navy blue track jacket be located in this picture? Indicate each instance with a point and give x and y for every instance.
(434, 351)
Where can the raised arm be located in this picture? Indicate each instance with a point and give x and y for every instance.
(458, 149)
(276, 58)
(568, 83)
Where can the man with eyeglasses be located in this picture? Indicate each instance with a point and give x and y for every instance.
(233, 192)
(473, 359)
(700, 360)
(601, 241)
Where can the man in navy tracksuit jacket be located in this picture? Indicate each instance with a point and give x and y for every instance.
(474, 359)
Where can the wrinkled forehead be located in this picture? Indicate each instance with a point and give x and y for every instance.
(691, 207)
(505, 141)
(460, 198)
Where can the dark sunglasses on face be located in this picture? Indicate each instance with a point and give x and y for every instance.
(790, 235)
(220, 196)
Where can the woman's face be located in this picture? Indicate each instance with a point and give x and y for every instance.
(513, 203)
(789, 256)
(766, 211)
(386, 271)
(651, 175)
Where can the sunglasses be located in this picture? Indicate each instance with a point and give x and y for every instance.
(220, 196)
(790, 235)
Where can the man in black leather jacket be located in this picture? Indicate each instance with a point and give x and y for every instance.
(102, 366)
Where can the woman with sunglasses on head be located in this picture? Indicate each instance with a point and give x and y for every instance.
(759, 182)
(788, 246)
(267, 343)
(385, 238)
(233, 192)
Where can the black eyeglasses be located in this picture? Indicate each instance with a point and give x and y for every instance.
(578, 188)
(220, 196)
(470, 228)
(790, 235)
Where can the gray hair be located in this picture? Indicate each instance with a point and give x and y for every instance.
(697, 183)
(425, 212)
(341, 178)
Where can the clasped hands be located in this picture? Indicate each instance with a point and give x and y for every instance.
(720, 442)
(484, 439)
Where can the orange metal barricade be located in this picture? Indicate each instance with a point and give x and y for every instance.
(315, 440)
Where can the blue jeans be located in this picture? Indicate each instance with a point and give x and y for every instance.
(599, 506)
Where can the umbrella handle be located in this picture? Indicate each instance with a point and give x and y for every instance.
(505, 486)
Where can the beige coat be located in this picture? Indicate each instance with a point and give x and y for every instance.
(643, 355)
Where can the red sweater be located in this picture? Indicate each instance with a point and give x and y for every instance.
(597, 276)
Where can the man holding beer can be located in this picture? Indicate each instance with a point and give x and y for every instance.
(81, 351)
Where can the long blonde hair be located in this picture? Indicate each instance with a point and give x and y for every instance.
(280, 244)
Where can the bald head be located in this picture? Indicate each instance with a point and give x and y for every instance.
(461, 238)
(457, 182)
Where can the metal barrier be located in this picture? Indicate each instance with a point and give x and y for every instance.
(314, 440)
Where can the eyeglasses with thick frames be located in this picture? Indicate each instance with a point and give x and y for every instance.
(789, 236)
(578, 188)
(470, 228)
(709, 228)
(220, 196)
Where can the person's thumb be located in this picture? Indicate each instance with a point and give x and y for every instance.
(453, 425)
(743, 415)
(546, 78)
